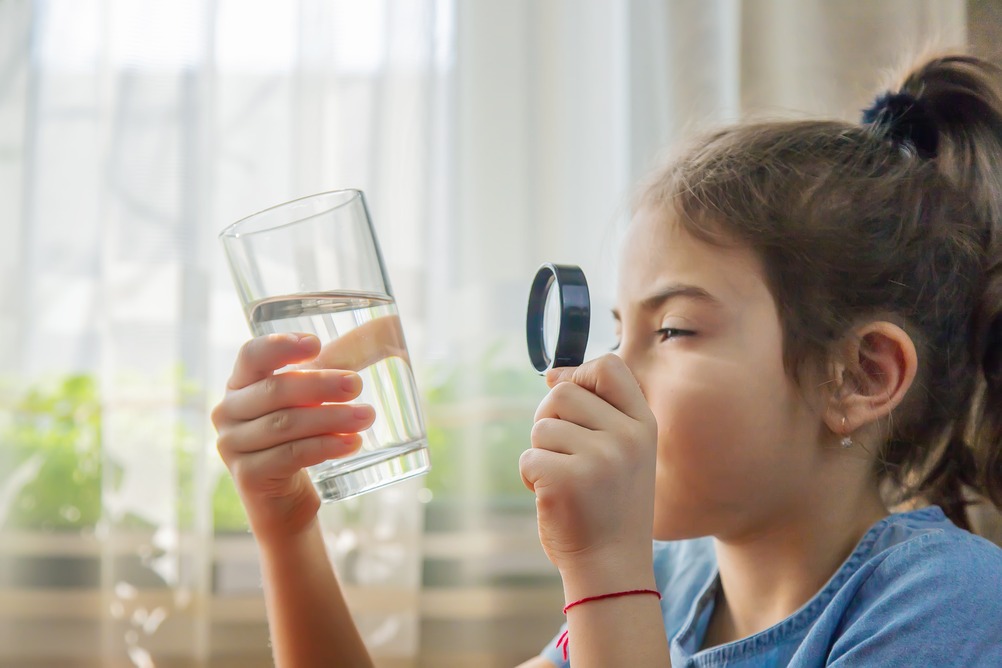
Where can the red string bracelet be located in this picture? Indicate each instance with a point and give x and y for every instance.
(564, 640)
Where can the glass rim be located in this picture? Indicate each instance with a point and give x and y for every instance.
(231, 231)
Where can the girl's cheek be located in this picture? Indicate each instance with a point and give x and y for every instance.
(699, 420)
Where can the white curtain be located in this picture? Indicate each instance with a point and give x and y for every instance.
(132, 133)
(488, 136)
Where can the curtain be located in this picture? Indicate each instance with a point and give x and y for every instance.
(133, 132)
(489, 137)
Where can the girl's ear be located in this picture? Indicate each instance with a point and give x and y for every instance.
(881, 368)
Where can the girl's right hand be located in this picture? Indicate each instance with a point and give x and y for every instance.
(592, 467)
(273, 425)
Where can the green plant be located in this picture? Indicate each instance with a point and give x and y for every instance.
(53, 466)
(56, 431)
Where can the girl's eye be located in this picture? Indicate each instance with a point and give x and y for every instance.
(671, 332)
(666, 333)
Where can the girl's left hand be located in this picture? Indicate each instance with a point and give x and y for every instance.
(591, 467)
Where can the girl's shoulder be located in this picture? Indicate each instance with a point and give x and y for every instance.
(921, 560)
(926, 584)
(927, 538)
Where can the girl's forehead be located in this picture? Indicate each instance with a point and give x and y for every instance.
(655, 242)
(649, 231)
(657, 251)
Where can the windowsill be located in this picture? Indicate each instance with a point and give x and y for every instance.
(487, 593)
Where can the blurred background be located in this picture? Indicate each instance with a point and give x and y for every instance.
(488, 135)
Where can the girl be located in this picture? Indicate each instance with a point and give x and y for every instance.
(810, 320)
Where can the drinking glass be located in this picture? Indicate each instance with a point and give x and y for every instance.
(314, 265)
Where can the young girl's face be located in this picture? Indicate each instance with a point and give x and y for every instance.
(737, 440)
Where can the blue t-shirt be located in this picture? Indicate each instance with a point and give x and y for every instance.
(916, 591)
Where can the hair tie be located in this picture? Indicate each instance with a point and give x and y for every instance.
(905, 119)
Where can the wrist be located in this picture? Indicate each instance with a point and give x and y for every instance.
(611, 595)
(276, 520)
(278, 544)
(605, 573)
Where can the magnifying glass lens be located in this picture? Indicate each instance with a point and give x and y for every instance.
(551, 320)
(556, 323)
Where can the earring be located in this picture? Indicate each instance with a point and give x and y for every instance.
(846, 441)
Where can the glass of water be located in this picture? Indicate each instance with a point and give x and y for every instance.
(313, 265)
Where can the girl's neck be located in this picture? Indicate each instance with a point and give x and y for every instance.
(770, 573)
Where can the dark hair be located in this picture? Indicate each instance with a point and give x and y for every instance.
(858, 222)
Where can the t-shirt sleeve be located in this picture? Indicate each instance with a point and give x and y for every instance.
(554, 653)
(934, 601)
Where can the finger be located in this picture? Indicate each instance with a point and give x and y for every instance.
(289, 389)
(538, 467)
(571, 402)
(262, 356)
(364, 346)
(293, 424)
(561, 436)
(609, 378)
(257, 469)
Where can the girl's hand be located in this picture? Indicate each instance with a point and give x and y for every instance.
(271, 426)
(591, 467)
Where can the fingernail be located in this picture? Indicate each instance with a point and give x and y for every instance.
(300, 338)
(350, 382)
(362, 412)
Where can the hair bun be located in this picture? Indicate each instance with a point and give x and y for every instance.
(906, 120)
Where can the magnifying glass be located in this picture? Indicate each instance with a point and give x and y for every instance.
(556, 325)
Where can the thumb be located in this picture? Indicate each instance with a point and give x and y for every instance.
(559, 374)
(609, 378)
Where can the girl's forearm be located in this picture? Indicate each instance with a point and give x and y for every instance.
(621, 631)
(308, 618)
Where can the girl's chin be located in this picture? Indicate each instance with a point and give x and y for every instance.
(681, 526)
(668, 536)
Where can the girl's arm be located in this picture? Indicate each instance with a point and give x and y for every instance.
(537, 662)
(271, 426)
(621, 631)
(591, 467)
(309, 620)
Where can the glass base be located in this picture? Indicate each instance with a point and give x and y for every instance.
(345, 479)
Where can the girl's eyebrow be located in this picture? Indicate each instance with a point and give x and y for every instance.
(674, 291)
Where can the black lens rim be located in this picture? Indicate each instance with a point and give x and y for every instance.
(575, 316)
